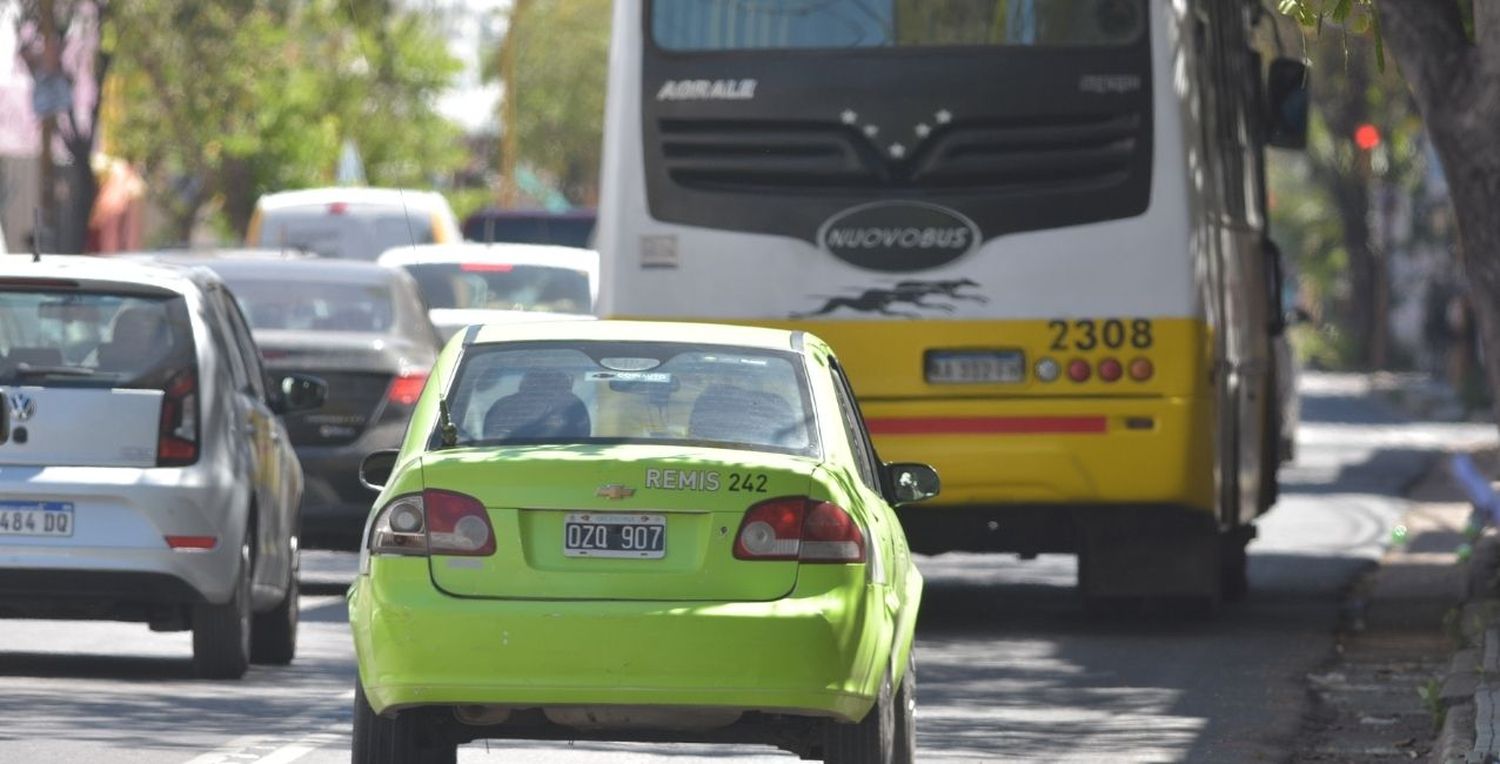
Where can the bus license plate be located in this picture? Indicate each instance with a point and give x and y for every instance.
(36, 518)
(633, 536)
(946, 367)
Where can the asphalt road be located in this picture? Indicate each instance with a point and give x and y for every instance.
(1011, 667)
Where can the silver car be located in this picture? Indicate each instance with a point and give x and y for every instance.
(144, 474)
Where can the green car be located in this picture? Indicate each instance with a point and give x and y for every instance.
(637, 531)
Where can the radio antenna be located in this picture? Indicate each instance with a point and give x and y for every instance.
(36, 234)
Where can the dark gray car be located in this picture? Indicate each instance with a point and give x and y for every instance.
(363, 329)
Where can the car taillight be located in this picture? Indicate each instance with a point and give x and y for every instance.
(799, 528)
(829, 534)
(433, 522)
(407, 388)
(457, 525)
(177, 440)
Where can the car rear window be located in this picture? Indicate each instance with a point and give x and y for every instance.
(499, 286)
(610, 392)
(326, 306)
(355, 232)
(568, 231)
(92, 339)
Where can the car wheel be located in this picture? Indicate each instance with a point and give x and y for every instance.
(273, 635)
(905, 749)
(872, 740)
(221, 633)
(402, 740)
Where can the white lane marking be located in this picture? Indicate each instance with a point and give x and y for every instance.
(302, 747)
(260, 749)
(228, 752)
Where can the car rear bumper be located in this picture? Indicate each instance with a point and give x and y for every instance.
(334, 502)
(119, 548)
(92, 594)
(820, 652)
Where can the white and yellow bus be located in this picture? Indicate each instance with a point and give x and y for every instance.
(1033, 229)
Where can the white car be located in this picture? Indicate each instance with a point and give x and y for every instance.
(501, 283)
(144, 473)
(351, 222)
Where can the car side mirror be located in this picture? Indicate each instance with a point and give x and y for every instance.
(910, 483)
(375, 471)
(1287, 104)
(300, 392)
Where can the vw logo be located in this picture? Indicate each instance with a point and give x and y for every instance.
(22, 407)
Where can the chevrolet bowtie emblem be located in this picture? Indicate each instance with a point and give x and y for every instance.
(614, 491)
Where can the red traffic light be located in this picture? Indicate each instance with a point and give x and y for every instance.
(1367, 137)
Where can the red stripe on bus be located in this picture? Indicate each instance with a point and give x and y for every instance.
(996, 425)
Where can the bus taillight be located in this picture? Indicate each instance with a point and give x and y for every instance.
(1141, 369)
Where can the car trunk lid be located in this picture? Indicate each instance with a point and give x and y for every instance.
(51, 427)
(697, 496)
(358, 367)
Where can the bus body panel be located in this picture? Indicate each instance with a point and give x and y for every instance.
(1192, 271)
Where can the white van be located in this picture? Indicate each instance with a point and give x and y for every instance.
(351, 223)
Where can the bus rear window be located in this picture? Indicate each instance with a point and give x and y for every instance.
(92, 339)
(353, 232)
(716, 25)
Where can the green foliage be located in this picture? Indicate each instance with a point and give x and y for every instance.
(467, 201)
(221, 102)
(560, 61)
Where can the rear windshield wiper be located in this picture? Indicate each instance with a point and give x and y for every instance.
(26, 370)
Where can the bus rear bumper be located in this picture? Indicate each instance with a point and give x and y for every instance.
(1055, 452)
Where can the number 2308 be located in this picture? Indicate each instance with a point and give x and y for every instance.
(1088, 334)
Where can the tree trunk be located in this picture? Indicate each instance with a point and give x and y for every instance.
(240, 195)
(83, 189)
(1456, 83)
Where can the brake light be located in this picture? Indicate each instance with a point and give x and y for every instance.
(407, 388)
(457, 525)
(192, 543)
(1078, 370)
(771, 530)
(799, 528)
(433, 522)
(338, 208)
(486, 267)
(177, 439)
(1110, 370)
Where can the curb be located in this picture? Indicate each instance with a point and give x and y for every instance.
(1470, 692)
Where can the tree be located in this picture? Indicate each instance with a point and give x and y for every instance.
(556, 62)
(1353, 178)
(222, 102)
(75, 53)
(1448, 51)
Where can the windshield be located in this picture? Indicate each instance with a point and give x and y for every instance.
(539, 229)
(604, 392)
(92, 339)
(356, 232)
(708, 25)
(500, 286)
(323, 306)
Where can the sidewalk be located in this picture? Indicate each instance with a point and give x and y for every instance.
(1391, 686)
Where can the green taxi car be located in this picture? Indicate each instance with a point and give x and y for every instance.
(637, 531)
